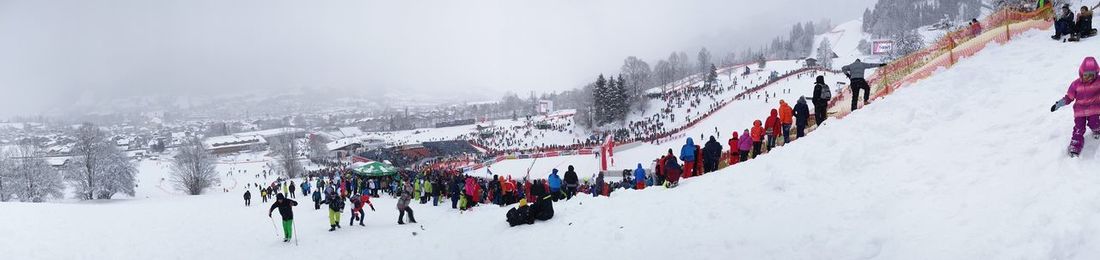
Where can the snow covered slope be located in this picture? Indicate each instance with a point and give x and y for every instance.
(968, 164)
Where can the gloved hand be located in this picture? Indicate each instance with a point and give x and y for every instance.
(1061, 103)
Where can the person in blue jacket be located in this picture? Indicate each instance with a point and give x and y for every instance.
(687, 154)
(639, 177)
(555, 185)
(305, 188)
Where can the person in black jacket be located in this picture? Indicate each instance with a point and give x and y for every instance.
(335, 207)
(821, 99)
(284, 205)
(712, 152)
(571, 183)
(801, 115)
(247, 198)
(456, 191)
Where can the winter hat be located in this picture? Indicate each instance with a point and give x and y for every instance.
(802, 100)
(1088, 65)
(279, 196)
(821, 79)
(522, 202)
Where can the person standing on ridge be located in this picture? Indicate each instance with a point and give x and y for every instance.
(801, 116)
(821, 98)
(687, 154)
(855, 73)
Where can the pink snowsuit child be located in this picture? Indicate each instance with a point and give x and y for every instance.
(1084, 93)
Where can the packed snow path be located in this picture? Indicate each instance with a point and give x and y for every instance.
(969, 164)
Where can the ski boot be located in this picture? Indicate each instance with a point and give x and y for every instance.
(332, 228)
(1095, 134)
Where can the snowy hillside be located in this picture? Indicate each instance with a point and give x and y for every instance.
(968, 164)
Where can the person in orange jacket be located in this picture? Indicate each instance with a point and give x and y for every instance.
(734, 155)
(757, 136)
(772, 128)
(786, 119)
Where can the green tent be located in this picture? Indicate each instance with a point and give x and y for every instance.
(375, 169)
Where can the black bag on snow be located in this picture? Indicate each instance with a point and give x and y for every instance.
(518, 216)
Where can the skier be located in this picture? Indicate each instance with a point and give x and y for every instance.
(263, 195)
(247, 198)
(555, 184)
(1084, 93)
(284, 205)
(801, 114)
(335, 207)
(772, 128)
(855, 72)
(317, 199)
(357, 208)
(744, 145)
(403, 205)
(786, 118)
(821, 98)
(571, 183)
(757, 137)
(687, 154)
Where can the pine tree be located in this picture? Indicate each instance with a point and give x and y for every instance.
(599, 99)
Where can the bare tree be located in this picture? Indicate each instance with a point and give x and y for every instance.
(193, 168)
(318, 147)
(33, 179)
(286, 151)
(99, 170)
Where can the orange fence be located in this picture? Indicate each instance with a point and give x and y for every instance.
(998, 27)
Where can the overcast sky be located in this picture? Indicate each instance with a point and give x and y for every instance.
(52, 52)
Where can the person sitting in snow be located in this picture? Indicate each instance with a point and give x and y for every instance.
(1084, 93)
(1063, 25)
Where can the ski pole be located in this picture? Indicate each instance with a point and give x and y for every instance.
(294, 226)
(274, 226)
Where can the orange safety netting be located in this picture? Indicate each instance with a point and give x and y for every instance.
(998, 27)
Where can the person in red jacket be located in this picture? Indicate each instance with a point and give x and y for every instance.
(672, 170)
(659, 171)
(772, 128)
(757, 133)
(733, 157)
(357, 208)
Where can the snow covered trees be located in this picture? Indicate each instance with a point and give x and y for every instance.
(611, 102)
(705, 60)
(98, 170)
(193, 168)
(825, 54)
(637, 74)
(318, 145)
(32, 179)
(5, 176)
(907, 42)
(285, 149)
(891, 16)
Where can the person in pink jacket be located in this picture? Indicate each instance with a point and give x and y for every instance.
(1084, 93)
(745, 145)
